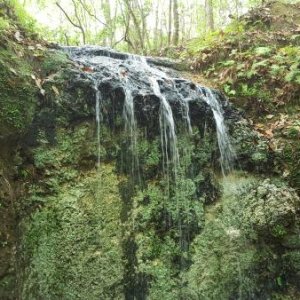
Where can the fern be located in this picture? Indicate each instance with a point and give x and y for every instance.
(263, 51)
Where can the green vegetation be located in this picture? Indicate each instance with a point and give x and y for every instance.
(144, 27)
(72, 230)
(255, 62)
(18, 91)
(243, 241)
(21, 60)
(73, 245)
(13, 16)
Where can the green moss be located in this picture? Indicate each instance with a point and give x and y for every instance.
(18, 92)
(4, 24)
(289, 156)
(7, 285)
(72, 246)
(166, 216)
(156, 261)
(60, 153)
(15, 15)
(241, 234)
(292, 265)
(251, 149)
(57, 163)
(54, 61)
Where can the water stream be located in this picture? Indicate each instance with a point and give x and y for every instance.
(166, 119)
(227, 153)
(130, 126)
(98, 115)
(100, 57)
(167, 129)
(143, 93)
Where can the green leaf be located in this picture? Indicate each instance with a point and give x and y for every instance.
(263, 51)
(227, 63)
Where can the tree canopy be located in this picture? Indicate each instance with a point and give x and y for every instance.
(139, 26)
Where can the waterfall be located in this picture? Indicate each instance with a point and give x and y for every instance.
(95, 56)
(186, 109)
(154, 105)
(130, 125)
(98, 117)
(227, 153)
(166, 120)
(167, 128)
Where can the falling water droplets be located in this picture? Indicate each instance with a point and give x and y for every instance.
(130, 126)
(98, 119)
(227, 153)
(166, 120)
(185, 106)
(167, 129)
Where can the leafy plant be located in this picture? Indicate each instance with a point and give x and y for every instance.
(263, 51)
(4, 24)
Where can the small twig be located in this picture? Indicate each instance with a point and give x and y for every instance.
(67, 16)
(91, 14)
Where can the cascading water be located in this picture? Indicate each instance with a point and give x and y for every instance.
(94, 55)
(156, 73)
(162, 216)
(186, 109)
(166, 120)
(98, 117)
(227, 153)
(167, 129)
(130, 125)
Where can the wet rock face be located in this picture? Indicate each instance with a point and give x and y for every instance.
(114, 72)
(245, 239)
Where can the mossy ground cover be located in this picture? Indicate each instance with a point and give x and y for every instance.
(25, 62)
(18, 91)
(244, 232)
(21, 80)
(72, 247)
(255, 61)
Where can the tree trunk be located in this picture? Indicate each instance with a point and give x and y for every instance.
(209, 15)
(170, 23)
(176, 23)
(156, 32)
(77, 25)
(137, 25)
(108, 20)
(144, 14)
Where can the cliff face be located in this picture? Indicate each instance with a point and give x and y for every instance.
(139, 224)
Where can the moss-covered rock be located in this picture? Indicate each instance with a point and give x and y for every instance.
(72, 246)
(252, 150)
(18, 93)
(238, 254)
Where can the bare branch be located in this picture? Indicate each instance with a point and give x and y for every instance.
(67, 16)
(90, 13)
(79, 25)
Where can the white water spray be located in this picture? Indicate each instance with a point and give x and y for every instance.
(227, 152)
(167, 128)
(98, 118)
(130, 125)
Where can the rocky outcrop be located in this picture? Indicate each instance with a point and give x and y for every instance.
(126, 229)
